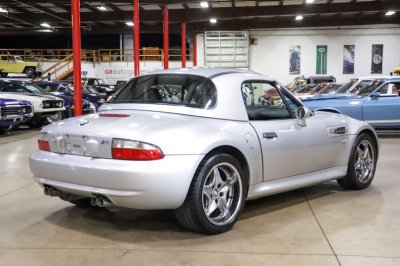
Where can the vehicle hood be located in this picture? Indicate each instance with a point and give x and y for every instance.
(94, 96)
(28, 96)
(4, 102)
(317, 97)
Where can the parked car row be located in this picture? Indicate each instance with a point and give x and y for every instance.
(38, 103)
(369, 99)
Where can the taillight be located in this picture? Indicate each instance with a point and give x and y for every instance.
(135, 150)
(43, 142)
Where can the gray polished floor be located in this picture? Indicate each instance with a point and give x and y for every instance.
(319, 225)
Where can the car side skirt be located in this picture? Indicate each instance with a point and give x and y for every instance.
(295, 182)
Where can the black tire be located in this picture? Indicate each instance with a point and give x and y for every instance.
(35, 123)
(192, 214)
(30, 72)
(55, 118)
(355, 177)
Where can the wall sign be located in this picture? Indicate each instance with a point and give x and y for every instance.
(294, 59)
(348, 59)
(377, 58)
(322, 59)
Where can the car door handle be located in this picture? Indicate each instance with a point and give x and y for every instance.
(269, 135)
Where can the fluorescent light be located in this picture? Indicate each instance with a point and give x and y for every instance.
(309, 1)
(129, 24)
(102, 8)
(45, 25)
(299, 17)
(204, 4)
(213, 20)
(389, 13)
(3, 10)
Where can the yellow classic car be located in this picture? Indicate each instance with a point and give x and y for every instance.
(15, 64)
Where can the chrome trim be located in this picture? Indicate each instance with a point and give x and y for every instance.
(382, 121)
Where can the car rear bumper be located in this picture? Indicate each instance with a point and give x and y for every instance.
(159, 184)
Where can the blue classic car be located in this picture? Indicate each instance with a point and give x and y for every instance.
(13, 112)
(28, 88)
(62, 88)
(378, 103)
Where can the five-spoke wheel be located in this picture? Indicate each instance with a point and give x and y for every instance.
(216, 196)
(362, 162)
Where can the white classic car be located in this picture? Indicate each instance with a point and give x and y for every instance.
(44, 106)
(201, 153)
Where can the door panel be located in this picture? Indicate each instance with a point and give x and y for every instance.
(296, 150)
(384, 109)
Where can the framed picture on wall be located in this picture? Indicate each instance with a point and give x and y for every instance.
(348, 59)
(322, 59)
(294, 59)
(377, 59)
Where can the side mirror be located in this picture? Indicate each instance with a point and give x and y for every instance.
(375, 95)
(302, 113)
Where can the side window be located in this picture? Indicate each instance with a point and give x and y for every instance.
(60, 89)
(390, 89)
(263, 101)
(9, 87)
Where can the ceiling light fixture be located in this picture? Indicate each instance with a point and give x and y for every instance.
(204, 4)
(389, 13)
(213, 20)
(45, 25)
(309, 1)
(299, 17)
(3, 10)
(102, 8)
(129, 24)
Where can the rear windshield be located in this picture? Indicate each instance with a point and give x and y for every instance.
(171, 89)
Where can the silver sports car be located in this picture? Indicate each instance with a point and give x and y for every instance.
(189, 141)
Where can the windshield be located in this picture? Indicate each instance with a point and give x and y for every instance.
(34, 88)
(370, 87)
(90, 89)
(100, 81)
(318, 88)
(328, 89)
(345, 87)
(17, 58)
(170, 89)
(294, 81)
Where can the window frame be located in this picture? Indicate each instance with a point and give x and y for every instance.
(278, 88)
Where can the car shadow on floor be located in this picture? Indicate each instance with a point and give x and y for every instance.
(137, 226)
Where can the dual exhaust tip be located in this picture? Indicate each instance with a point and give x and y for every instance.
(52, 192)
(101, 202)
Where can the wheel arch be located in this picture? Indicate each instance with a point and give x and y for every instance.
(238, 155)
(330, 110)
(29, 67)
(373, 136)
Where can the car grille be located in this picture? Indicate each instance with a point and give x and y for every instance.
(52, 104)
(16, 110)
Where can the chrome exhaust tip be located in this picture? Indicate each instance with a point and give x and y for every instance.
(54, 192)
(46, 191)
(94, 201)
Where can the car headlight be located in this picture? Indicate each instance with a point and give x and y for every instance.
(93, 107)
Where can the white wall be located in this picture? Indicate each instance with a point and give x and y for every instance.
(271, 55)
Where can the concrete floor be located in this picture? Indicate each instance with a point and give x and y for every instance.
(319, 225)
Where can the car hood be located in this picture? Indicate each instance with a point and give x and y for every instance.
(4, 102)
(43, 97)
(317, 97)
(94, 96)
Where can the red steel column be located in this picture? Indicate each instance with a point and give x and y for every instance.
(136, 36)
(166, 45)
(183, 44)
(76, 45)
(194, 50)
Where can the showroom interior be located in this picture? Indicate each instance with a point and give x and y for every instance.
(66, 64)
